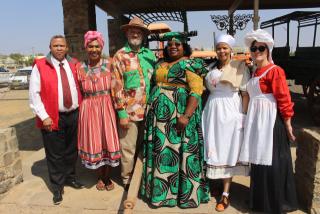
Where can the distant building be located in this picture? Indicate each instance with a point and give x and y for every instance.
(8, 63)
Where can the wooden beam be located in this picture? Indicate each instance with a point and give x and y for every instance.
(256, 17)
(234, 6)
(112, 7)
(92, 15)
(109, 7)
(288, 34)
(315, 33)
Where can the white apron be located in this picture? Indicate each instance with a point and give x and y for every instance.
(258, 130)
(222, 126)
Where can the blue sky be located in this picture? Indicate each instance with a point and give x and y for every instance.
(26, 26)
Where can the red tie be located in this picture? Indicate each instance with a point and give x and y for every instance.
(67, 100)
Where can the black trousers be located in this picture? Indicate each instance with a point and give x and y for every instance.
(61, 150)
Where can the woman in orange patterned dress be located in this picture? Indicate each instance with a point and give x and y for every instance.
(98, 142)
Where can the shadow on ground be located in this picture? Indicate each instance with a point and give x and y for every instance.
(29, 137)
(239, 194)
(86, 176)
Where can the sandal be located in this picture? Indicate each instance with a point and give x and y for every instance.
(109, 185)
(223, 204)
(100, 185)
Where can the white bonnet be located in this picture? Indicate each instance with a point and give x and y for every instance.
(228, 39)
(260, 35)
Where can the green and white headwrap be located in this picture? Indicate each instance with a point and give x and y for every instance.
(174, 36)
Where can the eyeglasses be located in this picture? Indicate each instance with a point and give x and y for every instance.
(177, 44)
(259, 48)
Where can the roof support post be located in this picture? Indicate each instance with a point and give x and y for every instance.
(273, 31)
(230, 31)
(234, 6)
(79, 16)
(256, 17)
(231, 11)
(185, 21)
(288, 33)
(298, 34)
(116, 36)
(315, 32)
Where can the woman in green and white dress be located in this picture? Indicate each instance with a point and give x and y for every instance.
(173, 172)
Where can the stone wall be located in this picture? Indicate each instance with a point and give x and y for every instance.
(116, 36)
(307, 168)
(10, 161)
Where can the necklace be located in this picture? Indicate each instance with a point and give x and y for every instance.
(94, 72)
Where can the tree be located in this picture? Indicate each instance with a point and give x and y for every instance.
(29, 61)
(17, 57)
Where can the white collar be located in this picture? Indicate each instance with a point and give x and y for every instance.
(57, 62)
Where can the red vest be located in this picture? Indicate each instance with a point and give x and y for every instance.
(49, 88)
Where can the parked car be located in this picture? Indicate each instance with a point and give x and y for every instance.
(3, 69)
(27, 70)
(20, 80)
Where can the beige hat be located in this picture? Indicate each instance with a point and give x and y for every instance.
(136, 22)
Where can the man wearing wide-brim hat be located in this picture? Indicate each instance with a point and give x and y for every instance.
(136, 23)
(132, 69)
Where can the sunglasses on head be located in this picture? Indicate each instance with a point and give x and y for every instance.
(259, 48)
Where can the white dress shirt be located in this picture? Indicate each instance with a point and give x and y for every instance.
(36, 103)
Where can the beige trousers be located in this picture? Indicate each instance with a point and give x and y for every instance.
(130, 142)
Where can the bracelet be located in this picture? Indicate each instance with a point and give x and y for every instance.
(186, 116)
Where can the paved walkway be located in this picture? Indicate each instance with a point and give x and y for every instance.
(33, 196)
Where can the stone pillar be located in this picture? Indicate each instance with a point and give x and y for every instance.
(307, 169)
(79, 16)
(10, 161)
(117, 37)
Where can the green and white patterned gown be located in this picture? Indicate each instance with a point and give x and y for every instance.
(173, 165)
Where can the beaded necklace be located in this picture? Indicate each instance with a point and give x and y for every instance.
(95, 71)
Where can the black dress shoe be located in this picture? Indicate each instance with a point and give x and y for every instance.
(57, 197)
(75, 184)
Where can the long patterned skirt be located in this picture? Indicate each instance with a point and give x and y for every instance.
(173, 172)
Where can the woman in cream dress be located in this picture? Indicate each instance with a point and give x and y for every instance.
(223, 117)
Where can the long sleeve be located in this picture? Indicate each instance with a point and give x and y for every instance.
(275, 82)
(117, 89)
(35, 101)
(281, 92)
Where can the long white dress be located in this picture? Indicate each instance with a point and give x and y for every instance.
(222, 125)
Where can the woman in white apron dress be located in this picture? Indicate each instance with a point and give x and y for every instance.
(268, 131)
(223, 118)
